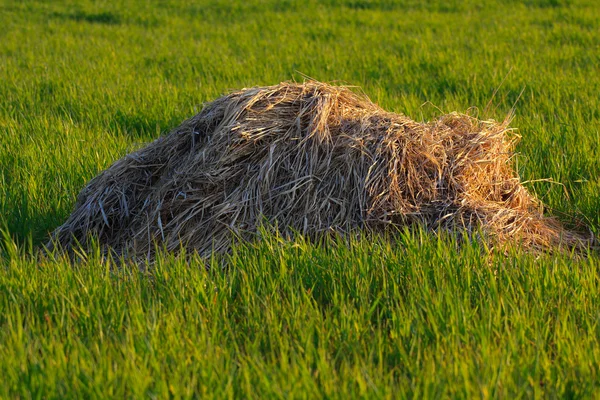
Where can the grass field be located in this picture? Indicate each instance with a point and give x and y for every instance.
(83, 83)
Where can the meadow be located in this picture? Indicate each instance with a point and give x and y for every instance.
(417, 315)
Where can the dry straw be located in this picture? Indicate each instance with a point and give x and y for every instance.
(310, 158)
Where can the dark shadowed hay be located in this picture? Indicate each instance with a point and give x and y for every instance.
(311, 158)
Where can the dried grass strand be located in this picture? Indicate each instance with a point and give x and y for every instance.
(310, 158)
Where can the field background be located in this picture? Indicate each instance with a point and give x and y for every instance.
(83, 83)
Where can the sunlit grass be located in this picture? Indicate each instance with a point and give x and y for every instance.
(83, 83)
(376, 318)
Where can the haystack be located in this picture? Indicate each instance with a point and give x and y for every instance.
(309, 158)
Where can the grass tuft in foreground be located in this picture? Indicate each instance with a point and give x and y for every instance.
(419, 316)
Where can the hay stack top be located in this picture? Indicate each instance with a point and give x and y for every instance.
(311, 158)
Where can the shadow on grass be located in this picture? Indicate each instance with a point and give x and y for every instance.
(103, 18)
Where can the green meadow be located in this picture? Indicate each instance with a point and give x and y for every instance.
(415, 315)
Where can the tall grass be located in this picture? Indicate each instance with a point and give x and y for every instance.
(82, 83)
(412, 317)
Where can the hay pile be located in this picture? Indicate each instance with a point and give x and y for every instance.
(311, 158)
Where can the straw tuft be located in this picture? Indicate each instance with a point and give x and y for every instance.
(310, 158)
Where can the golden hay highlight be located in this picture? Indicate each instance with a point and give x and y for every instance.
(310, 158)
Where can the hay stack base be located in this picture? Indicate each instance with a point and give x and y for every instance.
(309, 158)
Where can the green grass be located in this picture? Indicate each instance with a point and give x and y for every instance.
(413, 317)
(82, 83)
